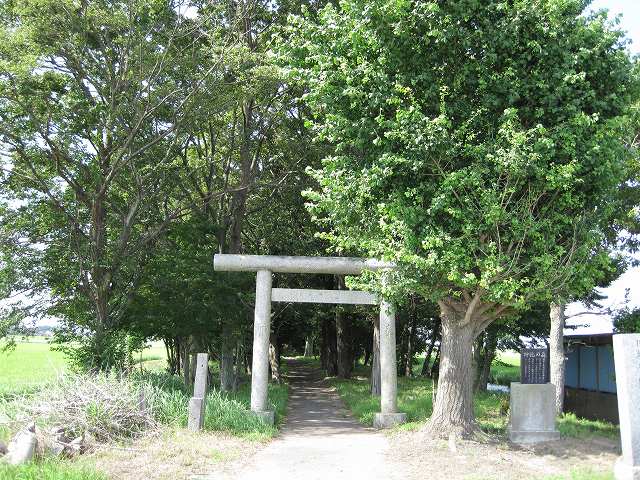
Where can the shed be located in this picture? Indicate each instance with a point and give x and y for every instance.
(590, 382)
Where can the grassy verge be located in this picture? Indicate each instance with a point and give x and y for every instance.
(415, 398)
(583, 475)
(49, 470)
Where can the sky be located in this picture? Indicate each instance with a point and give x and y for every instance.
(630, 22)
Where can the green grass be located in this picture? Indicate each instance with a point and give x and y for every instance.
(415, 397)
(48, 470)
(571, 426)
(33, 363)
(582, 475)
(227, 412)
(30, 364)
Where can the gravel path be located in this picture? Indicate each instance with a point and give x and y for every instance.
(320, 439)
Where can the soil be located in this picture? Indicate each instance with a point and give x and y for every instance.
(499, 459)
(320, 439)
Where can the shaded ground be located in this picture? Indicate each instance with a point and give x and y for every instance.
(320, 439)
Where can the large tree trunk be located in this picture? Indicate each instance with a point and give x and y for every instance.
(343, 350)
(453, 409)
(477, 359)
(343, 345)
(432, 343)
(556, 347)
(186, 362)
(375, 380)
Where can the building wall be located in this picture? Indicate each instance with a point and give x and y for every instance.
(590, 382)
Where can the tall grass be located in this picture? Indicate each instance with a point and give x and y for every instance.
(48, 470)
(227, 412)
(112, 407)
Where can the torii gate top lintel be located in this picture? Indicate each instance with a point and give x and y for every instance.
(291, 264)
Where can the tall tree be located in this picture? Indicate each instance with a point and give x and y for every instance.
(95, 101)
(490, 181)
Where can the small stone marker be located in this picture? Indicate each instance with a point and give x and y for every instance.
(534, 366)
(198, 401)
(626, 350)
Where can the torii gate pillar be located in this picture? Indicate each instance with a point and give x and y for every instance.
(265, 265)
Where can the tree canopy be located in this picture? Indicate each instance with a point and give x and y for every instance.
(482, 145)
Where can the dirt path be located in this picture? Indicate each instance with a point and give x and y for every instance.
(320, 439)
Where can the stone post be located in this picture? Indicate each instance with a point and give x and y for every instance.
(626, 350)
(197, 403)
(532, 413)
(260, 361)
(389, 415)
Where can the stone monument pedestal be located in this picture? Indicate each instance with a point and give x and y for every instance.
(532, 413)
(626, 352)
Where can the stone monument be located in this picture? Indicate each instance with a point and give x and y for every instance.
(532, 406)
(626, 351)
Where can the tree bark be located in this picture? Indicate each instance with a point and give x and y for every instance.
(186, 362)
(343, 350)
(556, 352)
(227, 369)
(308, 347)
(432, 343)
(490, 347)
(331, 355)
(408, 368)
(453, 409)
(274, 361)
(375, 381)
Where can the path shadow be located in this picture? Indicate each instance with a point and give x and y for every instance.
(315, 408)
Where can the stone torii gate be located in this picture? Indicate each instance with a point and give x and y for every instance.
(265, 265)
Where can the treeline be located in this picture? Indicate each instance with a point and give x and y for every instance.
(489, 148)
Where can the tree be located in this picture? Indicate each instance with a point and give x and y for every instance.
(489, 181)
(95, 98)
(627, 321)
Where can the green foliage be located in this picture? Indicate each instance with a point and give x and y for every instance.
(94, 111)
(48, 470)
(627, 321)
(496, 173)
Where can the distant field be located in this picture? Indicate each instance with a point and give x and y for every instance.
(33, 362)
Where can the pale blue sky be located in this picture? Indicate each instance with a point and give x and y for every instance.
(630, 21)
